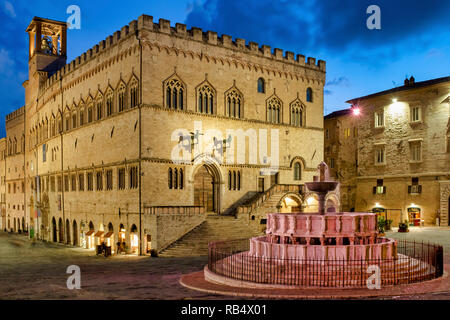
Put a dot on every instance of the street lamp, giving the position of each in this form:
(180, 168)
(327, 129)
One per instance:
(356, 110)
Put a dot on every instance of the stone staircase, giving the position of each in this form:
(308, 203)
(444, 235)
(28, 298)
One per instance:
(267, 201)
(215, 228)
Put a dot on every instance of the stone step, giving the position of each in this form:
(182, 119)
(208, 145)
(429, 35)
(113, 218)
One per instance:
(215, 228)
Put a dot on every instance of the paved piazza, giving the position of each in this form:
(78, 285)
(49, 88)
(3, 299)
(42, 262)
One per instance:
(38, 271)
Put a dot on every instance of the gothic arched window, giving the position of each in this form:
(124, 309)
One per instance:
(261, 85)
(90, 113)
(99, 106)
(274, 110)
(134, 93)
(121, 97)
(175, 93)
(298, 114)
(109, 102)
(297, 171)
(234, 103)
(81, 116)
(74, 120)
(205, 96)
(309, 95)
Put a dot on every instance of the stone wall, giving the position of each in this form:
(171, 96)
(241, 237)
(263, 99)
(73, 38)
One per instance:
(168, 224)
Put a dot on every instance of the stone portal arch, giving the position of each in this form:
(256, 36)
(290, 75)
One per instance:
(207, 180)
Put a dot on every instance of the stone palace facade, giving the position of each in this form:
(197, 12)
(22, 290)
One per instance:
(141, 136)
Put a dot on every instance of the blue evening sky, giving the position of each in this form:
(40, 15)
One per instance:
(414, 38)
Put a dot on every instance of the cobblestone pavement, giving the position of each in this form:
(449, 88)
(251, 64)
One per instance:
(38, 271)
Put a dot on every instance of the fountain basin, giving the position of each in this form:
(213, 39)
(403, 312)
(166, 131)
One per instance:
(383, 248)
(330, 225)
(321, 186)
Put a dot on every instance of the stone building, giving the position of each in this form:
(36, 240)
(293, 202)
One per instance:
(134, 140)
(404, 152)
(3, 224)
(340, 153)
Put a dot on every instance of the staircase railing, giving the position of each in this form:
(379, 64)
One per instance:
(175, 210)
(276, 188)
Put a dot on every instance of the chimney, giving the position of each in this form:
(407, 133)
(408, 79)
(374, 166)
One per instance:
(411, 80)
(406, 82)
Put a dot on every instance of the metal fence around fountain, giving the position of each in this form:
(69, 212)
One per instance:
(416, 262)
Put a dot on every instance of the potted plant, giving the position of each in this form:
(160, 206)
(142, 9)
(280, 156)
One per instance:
(403, 227)
(381, 225)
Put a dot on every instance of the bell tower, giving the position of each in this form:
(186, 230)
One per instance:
(47, 46)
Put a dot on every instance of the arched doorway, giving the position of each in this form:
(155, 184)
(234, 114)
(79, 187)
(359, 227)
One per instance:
(15, 226)
(134, 240)
(206, 188)
(109, 237)
(67, 231)
(23, 225)
(61, 230)
(55, 234)
(90, 236)
(75, 233)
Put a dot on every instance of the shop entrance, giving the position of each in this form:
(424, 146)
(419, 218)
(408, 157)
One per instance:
(54, 232)
(61, 230)
(121, 243)
(148, 244)
(134, 240)
(75, 233)
(109, 238)
(90, 236)
(67, 231)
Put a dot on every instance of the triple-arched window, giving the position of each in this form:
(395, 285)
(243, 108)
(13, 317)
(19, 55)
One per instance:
(205, 99)
(274, 106)
(234, 180)
(298, 113)
(175, 178)
(175, 94)
(234, 103)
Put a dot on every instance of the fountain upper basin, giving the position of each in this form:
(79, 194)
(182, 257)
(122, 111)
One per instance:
(321, 186)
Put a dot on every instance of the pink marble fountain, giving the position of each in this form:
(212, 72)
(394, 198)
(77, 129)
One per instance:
(336, 235)
(311, 250)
